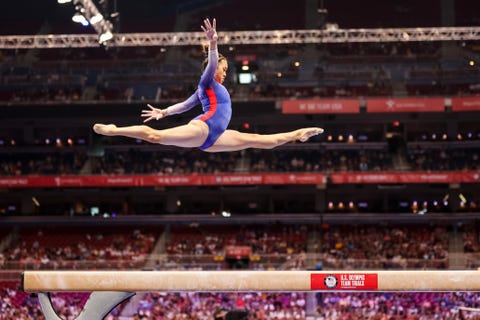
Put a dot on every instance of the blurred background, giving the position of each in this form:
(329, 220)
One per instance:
(393, 183)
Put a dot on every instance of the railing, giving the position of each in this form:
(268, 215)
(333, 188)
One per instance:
(74, 265)
(381, 264)
(472, 260)
(10, 275)
(215, 262)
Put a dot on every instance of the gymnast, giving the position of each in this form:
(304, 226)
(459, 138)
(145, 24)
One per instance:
(207, 131)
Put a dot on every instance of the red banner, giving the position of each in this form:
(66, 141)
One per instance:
(240, 179)
(321, 106)
(406, 105)
(237, 252)
(344, 281)
(466, 104)
(406, 177)
(154, 180)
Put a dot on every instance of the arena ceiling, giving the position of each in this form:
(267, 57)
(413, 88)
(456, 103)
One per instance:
(47, 16)
(152, 23)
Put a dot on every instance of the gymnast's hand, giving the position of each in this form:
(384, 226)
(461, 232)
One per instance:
(153, 113)
(210, 29)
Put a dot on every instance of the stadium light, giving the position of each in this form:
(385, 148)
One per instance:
(63, 1)
(96, 19)
(88, 13)
(79, 18)
(105, 37)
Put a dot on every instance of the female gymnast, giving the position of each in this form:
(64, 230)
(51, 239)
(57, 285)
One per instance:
(207, 131)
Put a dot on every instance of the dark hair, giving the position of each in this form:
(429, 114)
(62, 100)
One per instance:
(236, 315)
(205, 49)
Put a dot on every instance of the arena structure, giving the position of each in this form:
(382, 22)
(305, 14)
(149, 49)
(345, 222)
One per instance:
(391, 185)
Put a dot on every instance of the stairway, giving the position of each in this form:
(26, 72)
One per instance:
(397, 74)
(400, 163)
(399, 89)
(159, 249)
(242, 165)
(456, 256)
(89, 93)
(313, 245)
(87, 167)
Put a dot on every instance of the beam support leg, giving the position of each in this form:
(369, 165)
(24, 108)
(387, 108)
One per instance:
(97, 307)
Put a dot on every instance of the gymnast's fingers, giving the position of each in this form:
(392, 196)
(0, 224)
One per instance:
(148, 119)
(207, 23)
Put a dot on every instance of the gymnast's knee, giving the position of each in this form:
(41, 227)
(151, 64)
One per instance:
(152, 135)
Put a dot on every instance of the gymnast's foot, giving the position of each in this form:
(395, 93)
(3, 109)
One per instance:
(105, 129)
(306, 133)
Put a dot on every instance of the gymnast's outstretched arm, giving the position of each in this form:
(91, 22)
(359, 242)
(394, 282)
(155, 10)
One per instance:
(157, 114)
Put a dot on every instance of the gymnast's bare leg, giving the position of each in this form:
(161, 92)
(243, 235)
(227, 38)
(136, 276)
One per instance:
(190, 135)
(232, 140)
(195, 133)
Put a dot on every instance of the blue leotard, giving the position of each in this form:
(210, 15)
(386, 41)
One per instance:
(215, 100)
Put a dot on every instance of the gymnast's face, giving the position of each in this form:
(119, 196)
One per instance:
(221, 72)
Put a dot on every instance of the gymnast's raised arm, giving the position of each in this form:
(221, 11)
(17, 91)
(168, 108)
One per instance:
(205, 80)
(212, 61)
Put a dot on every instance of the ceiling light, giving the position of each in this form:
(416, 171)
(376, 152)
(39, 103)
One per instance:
(105, 37)
(96, 18)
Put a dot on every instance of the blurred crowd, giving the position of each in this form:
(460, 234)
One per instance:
(180, 162)
(260, 239)
(371, 247)
(14, 304)
(362, 246)
(290, 71)
(77, 249)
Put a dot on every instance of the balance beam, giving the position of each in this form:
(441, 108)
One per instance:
(233, 281)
